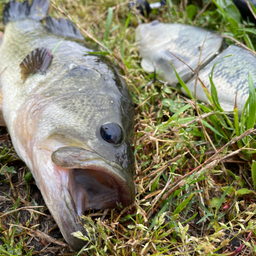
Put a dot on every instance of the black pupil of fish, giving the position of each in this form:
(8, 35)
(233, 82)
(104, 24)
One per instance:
(111, 132)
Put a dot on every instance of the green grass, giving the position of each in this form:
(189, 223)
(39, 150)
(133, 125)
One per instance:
(195, 167)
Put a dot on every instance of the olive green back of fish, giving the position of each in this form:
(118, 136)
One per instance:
(80, 89)
(71, 121)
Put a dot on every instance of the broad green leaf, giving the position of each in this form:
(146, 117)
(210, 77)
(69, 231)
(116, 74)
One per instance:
(191, 11)
(244, 191)
(228, 10)
(214, 202)
(8, 169)
(167, 89)
(28, 176)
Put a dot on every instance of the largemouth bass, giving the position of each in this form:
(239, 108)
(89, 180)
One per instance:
(157, 41)
(69, 115)
(230, 77)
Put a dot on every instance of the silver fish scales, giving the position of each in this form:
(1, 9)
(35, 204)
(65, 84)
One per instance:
(157, 41)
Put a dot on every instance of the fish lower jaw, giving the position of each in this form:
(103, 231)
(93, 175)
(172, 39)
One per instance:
(97, 187)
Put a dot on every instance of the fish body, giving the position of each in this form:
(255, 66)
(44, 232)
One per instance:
(71, 123)
(230, 77)
(156, 41)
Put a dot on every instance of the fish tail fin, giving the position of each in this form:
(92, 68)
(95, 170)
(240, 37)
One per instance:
(17, 11)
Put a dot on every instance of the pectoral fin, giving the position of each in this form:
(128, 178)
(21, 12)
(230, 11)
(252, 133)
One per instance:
(38, 61)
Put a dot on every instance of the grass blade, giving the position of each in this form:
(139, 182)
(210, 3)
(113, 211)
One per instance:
(57, 45)
(183, 205)
(108, 24)
(97, 53)
(236, 123)
(253, 169)
(214, 94)
(125, 27)
(221, 200)
(213, 88)
(181, 110)
(182, 83)
(248, 41)
(212, 128)
(252, 103)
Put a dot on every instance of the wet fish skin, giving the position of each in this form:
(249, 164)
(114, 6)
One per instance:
(156, 40)
(230, 76)
(60, 113)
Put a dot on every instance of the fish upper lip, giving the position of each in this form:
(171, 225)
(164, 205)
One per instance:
(91, 155)
(99, 159)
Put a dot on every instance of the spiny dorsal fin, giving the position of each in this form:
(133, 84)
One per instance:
(18, 11)
(37, 61)
(63, 27)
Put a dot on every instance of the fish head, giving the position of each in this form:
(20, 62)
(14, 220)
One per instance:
(100, 171)
(79, 149)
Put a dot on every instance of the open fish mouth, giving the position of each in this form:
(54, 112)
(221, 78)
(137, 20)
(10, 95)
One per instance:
(96, 187)
(92, 182)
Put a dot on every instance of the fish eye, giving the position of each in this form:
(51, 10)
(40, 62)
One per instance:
(111, 133)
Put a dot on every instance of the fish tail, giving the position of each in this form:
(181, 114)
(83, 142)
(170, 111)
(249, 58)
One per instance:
(14, 11)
